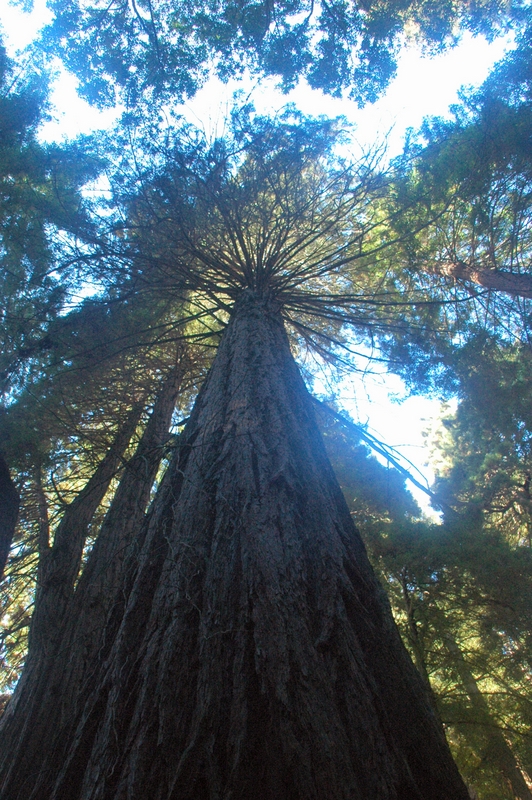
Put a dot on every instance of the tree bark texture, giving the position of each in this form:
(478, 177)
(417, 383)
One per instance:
(103, 573)
(514, 283)
(60, 563)
(50, 686)
(9, 505)
(252, 653)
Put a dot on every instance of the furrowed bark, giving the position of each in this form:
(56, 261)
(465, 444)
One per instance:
(116, 546)
(61, 562)
(516, 284)
(9, 505)
(257, 656)
(103, 572)
(49, 689)
(58, 569)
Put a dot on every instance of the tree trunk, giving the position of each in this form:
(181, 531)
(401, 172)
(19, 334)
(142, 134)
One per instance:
(50, 685)
(256, 655)
(117, 544)
(516, 284)
(58, 568)
(9, 503)
(415, 642)
(496, 747)
(103, 572)
(60, 563)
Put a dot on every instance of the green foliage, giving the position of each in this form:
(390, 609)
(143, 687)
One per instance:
(167, 48)
(268, 206)
(464, 593)
(41, 218)
(104, 358)
(460, 214)
(187, 224)
(460, 590)
(485, 447)
(461, 593)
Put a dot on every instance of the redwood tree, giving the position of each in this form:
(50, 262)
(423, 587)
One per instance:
(248, 650)
(256, 655)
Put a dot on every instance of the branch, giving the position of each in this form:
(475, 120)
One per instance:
(383, 450)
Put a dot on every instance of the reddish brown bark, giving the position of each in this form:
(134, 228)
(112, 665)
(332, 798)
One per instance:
(516, 284)
(252, 653)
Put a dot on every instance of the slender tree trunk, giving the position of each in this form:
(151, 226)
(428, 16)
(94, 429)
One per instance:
(9, 504)
(256, 656)
(43, 519)
(116, 546)
(60, 563)
(516, 284)
(497, 749)
(103, 573)
(415, 643)
(49, 688)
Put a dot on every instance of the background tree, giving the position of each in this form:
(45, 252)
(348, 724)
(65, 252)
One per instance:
(106, 365)
(460, 592)
(465, 187)
(39, 203)
(461, 597)
(464, 197)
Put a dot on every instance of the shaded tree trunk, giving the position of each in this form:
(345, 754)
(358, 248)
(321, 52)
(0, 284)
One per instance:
(254, 654)
(9, 505)
(103, 572)
(116, 546)
(415, 642)
(51, 681)
(496, 747)
(57, 571)
(60, 562)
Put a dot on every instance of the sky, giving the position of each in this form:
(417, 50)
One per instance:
(423, 87)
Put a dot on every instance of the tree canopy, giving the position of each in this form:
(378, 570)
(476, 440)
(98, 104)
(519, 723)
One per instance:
(169, 48)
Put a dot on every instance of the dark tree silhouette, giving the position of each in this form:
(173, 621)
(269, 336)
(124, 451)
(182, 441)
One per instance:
(9, 504)
(248, 650)
(256, 655)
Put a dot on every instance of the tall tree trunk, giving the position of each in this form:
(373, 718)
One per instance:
(60, 563)
(415, 642)
(9, 504)
(496, 747)
(117, 544)
(256, 656)
(50, 686)
(103, 572)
